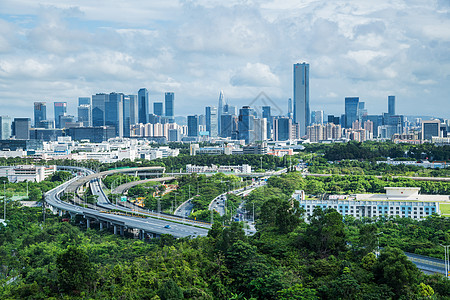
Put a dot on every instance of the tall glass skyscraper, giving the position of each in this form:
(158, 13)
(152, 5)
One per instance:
(220, 111)
(211, 121)
(266, 113)
(40, 113)
(126, 104)
(22, 128)
(143, 105)
(351, 111)
(85, 115)
(84, 100)
(98, 109)
(5, 127)
(134, 109)
(60, 109)
(301, 96)
(169, 101)
(158, 108)
(114, 113)
(391, 105)
(246, 124)
(192, 123)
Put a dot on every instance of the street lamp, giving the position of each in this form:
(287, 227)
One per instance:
(261, 162)
(446, 260)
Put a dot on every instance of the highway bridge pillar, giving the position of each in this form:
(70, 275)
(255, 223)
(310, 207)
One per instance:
(121, 230)
(60, 213)
(101, 225)
(88, 223)
(142, 235)
(115, 229)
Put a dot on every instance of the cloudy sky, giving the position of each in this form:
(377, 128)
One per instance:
(60, 50)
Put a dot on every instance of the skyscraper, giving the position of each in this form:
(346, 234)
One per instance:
(351, 110)
(246, 124)
(317, 117)
(126, 110)
(22, 128)
(211, 121)
(266, 113)
(220, 111)
(289, 106)
(170, 103)
(40, 113)
(143, 105)
(114, 113)
(84, 100)
(85, 115)
(98, 109)
(158, 108)
(301, 96)
(391, 105)
(282, 128)
(134, 109)
(60, 109)
(5, 127)
(192, 122)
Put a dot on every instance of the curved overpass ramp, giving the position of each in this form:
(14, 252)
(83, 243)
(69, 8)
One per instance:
(126, 186)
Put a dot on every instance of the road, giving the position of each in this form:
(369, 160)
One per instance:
(126, 186)
(444, 179)
(185, 209)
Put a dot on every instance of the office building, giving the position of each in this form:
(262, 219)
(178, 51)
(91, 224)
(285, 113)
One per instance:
(46, 135)
(193, 126)
(362, 111)
(282, 129)
(391, 105)
(98, 109)
(174, 135)
(22, 128)
(114, 113)
(84, 101)
(211, 121)
(126, 111)
(64, 119)
(333, 119)
(246, 124)
(5, 127)
(301, 96)
(40, 113)
(158, 108)
(317, 117)
(229, 126)
(220, 111)
(169, 99)
(60, 109)
(289, 106)
(85, 114)
(142, 105)
(430, 129)
(260, 129)
(377, 121)
(93, 134)
(47, 124)
(266, 113)
(134, 109)
(351, 110)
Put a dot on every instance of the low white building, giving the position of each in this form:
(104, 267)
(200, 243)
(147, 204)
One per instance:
(246, 169)
(27, 172)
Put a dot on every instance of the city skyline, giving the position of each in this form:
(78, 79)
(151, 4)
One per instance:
(54, 52)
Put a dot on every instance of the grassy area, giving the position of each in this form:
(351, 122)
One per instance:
(445, 209)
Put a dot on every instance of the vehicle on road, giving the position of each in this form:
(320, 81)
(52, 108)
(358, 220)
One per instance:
(167, 226)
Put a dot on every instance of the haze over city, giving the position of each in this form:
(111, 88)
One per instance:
(59, 52)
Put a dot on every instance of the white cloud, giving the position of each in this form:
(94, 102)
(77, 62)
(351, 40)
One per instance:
(255, 75)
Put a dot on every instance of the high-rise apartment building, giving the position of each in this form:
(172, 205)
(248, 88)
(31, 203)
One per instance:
(193, 128)
(158, 108)
(114, 113)
(351, 110)
(98, 109)
(169, 99)
(266, 113)
(22, 128)
(301, 96)
(211, 121)
(60, 109)
(391, 105)
(5, 127)
(40, 113)
(143, 106)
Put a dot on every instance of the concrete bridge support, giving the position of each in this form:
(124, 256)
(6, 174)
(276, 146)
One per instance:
(88, 223)
(115, 229)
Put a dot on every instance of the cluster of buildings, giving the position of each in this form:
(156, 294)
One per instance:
(30, 173)
(245, 169)
(106, 116)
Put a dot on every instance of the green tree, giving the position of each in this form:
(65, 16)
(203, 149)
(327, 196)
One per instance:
(169, 290)
(75, 271)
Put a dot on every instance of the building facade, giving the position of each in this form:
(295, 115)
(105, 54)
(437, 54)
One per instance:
(301, 96)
